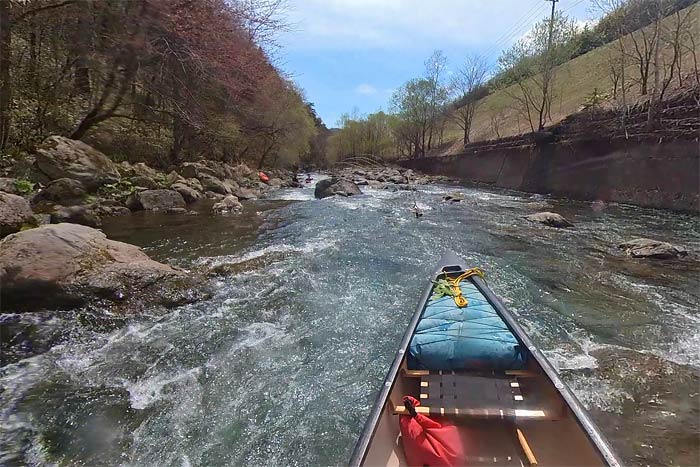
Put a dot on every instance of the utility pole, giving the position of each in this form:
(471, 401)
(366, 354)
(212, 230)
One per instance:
(547, 75)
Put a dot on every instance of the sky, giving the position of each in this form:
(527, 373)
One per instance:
(352, 54)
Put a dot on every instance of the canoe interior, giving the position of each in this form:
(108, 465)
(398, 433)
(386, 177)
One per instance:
(542, 431)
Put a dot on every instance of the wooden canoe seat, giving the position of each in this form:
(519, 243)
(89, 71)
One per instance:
(474, 396)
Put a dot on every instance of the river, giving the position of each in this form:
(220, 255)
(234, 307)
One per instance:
(281, 365)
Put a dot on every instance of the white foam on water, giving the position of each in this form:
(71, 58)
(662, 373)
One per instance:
(311, 246)
(293, 194)
(144, 392)
(594, 392)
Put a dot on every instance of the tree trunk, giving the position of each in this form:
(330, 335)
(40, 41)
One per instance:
(5, 80)
(654, 102)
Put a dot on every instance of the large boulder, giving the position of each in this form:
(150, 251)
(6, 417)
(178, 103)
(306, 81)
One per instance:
(246, 193)
(76, 215)
(551, 219)
(64, 191)
(275, 183)
(211, 183)
(648, 248)
(229, 204)
(195, 170)
(14, 213)
(62, 266)
(60, 157)
(189, 194)
(155, 200)
(335, 186)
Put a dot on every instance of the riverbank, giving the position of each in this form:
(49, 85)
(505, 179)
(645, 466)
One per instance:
(589, 156)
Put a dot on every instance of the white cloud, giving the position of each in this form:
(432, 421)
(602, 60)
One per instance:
(365, 88)
(407, 24)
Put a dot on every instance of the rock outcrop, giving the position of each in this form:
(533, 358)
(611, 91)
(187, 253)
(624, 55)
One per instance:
(60, 157)
(551, 219)
(15, 212)
(155, 200)
(648, 248)
(335, 186)
(62, 266)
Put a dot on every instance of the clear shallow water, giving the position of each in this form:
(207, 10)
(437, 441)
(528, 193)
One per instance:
(281, 366)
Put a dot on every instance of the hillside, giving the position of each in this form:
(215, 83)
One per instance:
(574, 82)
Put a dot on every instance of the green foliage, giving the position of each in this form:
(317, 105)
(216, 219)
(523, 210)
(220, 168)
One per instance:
(24, 186)
(121, 189)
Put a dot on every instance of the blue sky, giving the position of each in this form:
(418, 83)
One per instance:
(349, 54)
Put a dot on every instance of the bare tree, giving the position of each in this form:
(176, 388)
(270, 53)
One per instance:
(529, 65)
(466, 83)
(616, 7)
(434, 69)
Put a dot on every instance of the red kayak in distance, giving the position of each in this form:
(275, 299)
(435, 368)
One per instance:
(263, 177)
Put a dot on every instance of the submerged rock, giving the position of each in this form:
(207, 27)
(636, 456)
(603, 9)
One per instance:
(551, 219)
(62, 266)
(60, 157)
(14, 213)
(648, 248)
(455, 197)
(335, 186)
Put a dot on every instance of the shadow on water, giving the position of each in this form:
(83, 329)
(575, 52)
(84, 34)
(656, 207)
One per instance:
(281, 366)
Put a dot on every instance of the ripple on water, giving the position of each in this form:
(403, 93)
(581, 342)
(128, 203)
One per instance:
(307, 316)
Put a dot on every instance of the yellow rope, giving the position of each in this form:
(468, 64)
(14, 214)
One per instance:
(459, 299)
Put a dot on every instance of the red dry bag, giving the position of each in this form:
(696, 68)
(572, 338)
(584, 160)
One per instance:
(263, 177)
(426, 441)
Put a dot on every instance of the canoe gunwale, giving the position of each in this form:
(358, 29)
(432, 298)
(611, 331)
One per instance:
(571, 400)
(449, 262)
(362, 445)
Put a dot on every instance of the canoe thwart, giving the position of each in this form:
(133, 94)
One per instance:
(526, 448)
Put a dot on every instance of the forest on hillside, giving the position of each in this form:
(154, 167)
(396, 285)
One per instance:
(156, 81)
(641, 50)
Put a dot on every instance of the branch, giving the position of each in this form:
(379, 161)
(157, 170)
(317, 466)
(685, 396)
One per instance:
(36, 11)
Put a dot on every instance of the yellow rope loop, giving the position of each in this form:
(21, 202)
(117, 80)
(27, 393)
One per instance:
(459, 299)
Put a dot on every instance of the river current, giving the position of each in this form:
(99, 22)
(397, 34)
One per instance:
(282, 364)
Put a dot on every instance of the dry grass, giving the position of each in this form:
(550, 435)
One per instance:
(574, 82)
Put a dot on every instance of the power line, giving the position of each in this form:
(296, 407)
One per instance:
(517, 26)
(573, 6)
(514, 31)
